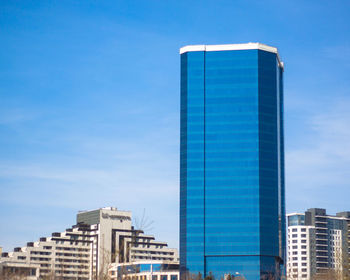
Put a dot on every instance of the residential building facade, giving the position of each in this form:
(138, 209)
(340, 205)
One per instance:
(301, 262)
(86, 250)
(232, 209)
(318, 243)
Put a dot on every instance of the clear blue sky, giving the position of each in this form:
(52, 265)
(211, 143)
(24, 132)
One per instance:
(89, 104)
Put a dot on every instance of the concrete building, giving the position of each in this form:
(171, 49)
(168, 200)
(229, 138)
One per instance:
(317, 243)
(67, 254)
(301, 263)
(82, 252)
(145, 270)
(17, 270)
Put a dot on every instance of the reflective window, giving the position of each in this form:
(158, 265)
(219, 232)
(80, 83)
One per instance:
(231, 163)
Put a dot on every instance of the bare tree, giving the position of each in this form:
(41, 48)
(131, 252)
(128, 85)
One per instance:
(143, 223)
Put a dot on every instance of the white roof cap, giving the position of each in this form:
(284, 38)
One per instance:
(231, 47)
(295, 213)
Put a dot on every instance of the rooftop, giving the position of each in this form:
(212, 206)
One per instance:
(231, 47)
(110, 208)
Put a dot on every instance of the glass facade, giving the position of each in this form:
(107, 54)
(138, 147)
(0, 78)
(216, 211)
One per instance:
(232, 215)
(296, 220)
(146, 267)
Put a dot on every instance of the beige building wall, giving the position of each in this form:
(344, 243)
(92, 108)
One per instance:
(101, 237)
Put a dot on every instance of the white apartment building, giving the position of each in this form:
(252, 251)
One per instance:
(336, 254)
(67, 254)
(82, 252)
(317, 243)
(300, 255)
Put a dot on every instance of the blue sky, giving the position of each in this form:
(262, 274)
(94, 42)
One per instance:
(89, 104)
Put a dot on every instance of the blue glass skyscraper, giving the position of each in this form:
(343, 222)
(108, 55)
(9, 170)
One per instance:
(232, 209)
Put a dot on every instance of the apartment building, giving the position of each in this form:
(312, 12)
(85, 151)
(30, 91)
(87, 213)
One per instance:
(301, 248)
(318, 243)
(85, 250)
(67, 254)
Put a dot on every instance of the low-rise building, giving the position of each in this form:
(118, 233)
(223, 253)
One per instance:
(19, 270)
(84, 251)
(145, 270)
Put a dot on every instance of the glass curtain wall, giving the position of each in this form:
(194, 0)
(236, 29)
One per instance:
(231, 174)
